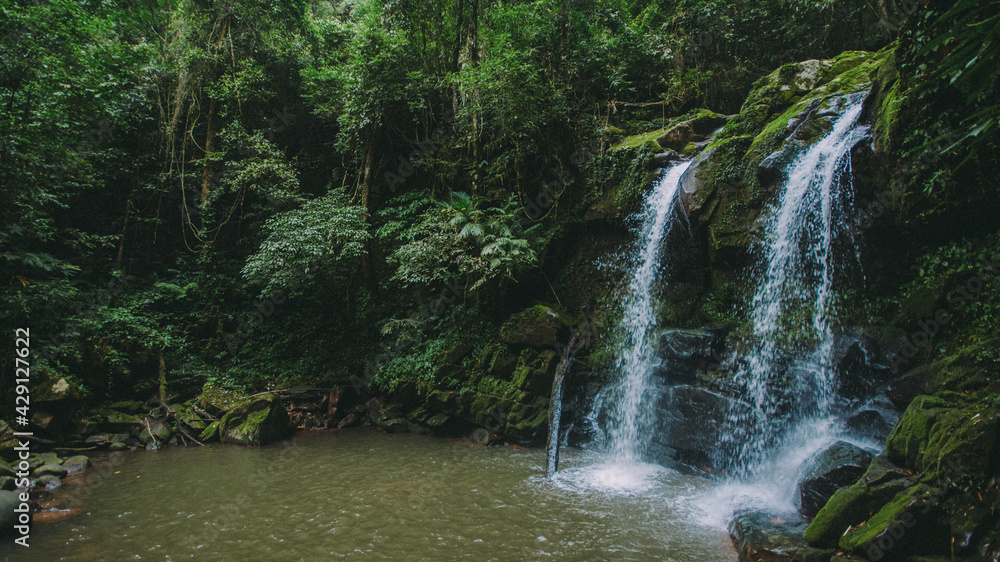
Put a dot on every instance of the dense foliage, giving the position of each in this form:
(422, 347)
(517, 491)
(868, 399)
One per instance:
(180, 179)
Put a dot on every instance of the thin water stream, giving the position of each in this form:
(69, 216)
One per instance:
(363, 493)
(630, 416)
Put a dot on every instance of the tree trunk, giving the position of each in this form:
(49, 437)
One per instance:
(367, 203)
(563, 22)
(458, 36)
(121, 237)
(208, 172)
(162, 371)
(474, 32)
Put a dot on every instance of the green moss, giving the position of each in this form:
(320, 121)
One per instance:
(851, 505)
(258, 421)
(537, 326)
(218, 399)
(909, 513)
(210, 433)
(635, 141)
(942, 431)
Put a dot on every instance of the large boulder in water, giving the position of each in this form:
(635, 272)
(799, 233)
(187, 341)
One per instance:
(257, 421)
(839, 465)
(763, 536)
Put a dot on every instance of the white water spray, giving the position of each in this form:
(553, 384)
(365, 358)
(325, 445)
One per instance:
(630, 408)
(789, 373)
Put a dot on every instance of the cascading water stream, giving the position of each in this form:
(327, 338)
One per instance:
(788, 376)
(628, 403)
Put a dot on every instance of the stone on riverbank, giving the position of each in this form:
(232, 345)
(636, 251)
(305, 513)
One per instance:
(840, 464)
(256, 422)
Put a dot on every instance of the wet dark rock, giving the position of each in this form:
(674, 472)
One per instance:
(49, 469)
(911, 524)
(915, 382)
(6, 470)
(7, 482)
(839, 465)
(49, 457)
(664, 159)
(771, 169)
(98, 439)
(683, 353)
(869, 424)
(438, 420)
(852, 505)
(48, 481)
(155, 431)
(762, 536)
(395, 425)
(353, 419)
(859, 373)
(693, 420)
(76, 463)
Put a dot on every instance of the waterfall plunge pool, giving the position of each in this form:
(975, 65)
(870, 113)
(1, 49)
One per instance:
(363, 493)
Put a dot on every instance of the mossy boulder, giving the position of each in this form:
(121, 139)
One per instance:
(55, 388)
(258, 421)
(852, 505)
(786, 110)
(536, 371)
(187, 415)
(909, 524)
(527, 422)
(537, 326)
(76, 463)
(155, 431)
(943, 431)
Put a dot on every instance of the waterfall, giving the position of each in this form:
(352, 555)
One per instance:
(631, 415)
(788, 377)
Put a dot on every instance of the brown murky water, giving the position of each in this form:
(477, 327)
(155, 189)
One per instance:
(362, 493)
